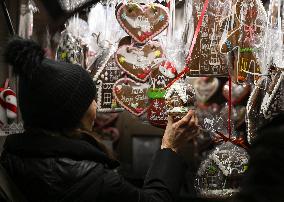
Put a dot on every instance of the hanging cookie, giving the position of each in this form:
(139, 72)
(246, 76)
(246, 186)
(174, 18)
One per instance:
(142, 22)
(220, 174)
(238, 114)
(168, 70)
(244, 35)
(273, 101)
(70, 50)
(157, 111)
(131, 95)
(106, 75)
(180, 98)
(206, 59)
(254, 118)
(138, 61)
(162, 75)
(205, 88)
(8, 106)
(239, 92)
(160, 78)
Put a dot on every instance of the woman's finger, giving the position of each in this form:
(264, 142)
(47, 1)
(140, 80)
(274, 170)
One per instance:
(185, 120)
(170, 120)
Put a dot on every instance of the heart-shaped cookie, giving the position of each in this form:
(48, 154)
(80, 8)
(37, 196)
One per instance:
(131, 95)
(138, 61)
(205, 88)
(157, 113)
(238, 114)
(239, 92)
(142, 22)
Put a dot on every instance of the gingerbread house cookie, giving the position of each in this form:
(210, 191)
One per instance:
(206, 59)
(220, 175)
(180, 98)
(106, 75)
(244, 35)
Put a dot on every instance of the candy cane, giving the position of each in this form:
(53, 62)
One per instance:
(8, 104)
(10, 99)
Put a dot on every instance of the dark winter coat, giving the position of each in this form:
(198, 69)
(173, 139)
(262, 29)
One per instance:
(57, 168)
(264, 181)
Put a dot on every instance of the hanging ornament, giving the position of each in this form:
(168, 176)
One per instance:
(8, 105)
(72, 47)
(239, 92)
(180, 98)
(168, 69)
(26, 20)
(70, 50)
(273, 50)
(206, 59)
(106, 75)
(142, 22)
(160, 77)
(244, 35)
(205, 88)
(273, 101)
(157, 111)
(131, 95)
(254, 119)
(238, 114)
(138, 61)
(220, 174)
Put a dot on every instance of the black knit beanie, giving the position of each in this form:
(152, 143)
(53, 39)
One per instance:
(52, 95)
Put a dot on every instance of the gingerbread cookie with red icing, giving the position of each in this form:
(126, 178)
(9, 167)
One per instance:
(131, 95)
(138, 61)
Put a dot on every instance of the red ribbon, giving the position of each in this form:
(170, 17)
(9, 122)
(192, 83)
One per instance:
(230, 107)
(197, 30)
(239, 141)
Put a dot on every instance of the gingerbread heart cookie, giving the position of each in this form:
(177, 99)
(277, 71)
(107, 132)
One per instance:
(138, 61)
(142, 22)
(239, 92)
(131, 95)
(205, 88)
(238, 114)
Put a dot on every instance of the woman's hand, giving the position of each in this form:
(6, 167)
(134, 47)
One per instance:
(179, 133)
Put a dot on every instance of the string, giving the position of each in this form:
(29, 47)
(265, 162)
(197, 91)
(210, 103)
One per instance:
(230, 107)
(197, 30)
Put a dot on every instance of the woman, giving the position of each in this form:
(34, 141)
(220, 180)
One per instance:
(264, 180)
(56, 159)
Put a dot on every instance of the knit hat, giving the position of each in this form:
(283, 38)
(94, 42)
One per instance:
(52, 95)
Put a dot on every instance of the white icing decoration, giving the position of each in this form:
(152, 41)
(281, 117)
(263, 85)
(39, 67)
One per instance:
(99, 85)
